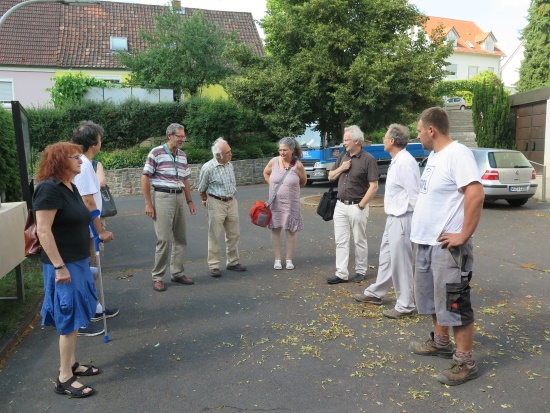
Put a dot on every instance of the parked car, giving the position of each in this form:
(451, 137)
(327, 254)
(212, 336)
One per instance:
(455, 103)
(504, 173)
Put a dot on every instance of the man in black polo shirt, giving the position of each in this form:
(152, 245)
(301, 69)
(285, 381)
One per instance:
(357, 175)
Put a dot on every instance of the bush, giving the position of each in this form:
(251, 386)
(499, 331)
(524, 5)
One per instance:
(126, 124)
(10, 182)
(208, 119)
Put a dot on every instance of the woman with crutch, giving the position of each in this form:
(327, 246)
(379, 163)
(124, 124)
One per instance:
(63, 230)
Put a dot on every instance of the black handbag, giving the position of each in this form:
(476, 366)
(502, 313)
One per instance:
(108, 208)
(327, 204)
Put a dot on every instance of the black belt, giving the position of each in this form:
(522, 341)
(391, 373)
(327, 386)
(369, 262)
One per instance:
(219, 198)
(168, 190)
(346, 202)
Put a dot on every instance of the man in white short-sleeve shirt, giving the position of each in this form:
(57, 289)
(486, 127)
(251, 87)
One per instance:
(88, 135)
(445, 217)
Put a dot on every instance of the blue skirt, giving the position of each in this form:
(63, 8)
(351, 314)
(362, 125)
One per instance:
(67, 307)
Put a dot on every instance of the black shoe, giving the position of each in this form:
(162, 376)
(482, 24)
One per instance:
(358, 278)
(109, 313)
(335, 280)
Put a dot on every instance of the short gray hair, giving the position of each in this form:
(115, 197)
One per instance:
(216, 150)
(400, 134)
(173, 127)
(356, 133)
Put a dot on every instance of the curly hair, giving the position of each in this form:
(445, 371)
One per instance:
(55, 160)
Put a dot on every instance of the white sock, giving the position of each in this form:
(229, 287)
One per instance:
(93, 270)
(99, 309)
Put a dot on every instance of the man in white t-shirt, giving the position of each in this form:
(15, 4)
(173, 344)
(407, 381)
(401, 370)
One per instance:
(401, 192)
(89, 135)
(445, 217)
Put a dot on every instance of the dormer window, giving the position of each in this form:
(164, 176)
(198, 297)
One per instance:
(488, 44)
(119, 43)
(452, 36)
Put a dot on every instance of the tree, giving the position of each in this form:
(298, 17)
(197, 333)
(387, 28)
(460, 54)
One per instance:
(339, 62)
(491, 113)
(534, 71)
(183, 53)
(10, 183)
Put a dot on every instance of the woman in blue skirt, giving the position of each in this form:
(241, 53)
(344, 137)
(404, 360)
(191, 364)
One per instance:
(70, 297)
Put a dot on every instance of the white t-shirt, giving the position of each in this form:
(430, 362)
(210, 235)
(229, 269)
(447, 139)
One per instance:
(440, 205)
(87, 182)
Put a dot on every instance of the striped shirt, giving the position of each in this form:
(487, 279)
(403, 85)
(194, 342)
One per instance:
(217, 179)
(160, 166)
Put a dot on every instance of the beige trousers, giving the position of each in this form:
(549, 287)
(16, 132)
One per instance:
(222, 216)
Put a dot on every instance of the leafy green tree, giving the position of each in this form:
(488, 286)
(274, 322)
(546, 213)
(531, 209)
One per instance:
(183, 53)
(10, 183)
(339, 62)
(534, 71)
(491, 114)
(70, 88)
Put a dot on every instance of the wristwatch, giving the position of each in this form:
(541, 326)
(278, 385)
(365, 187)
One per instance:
(360, 207)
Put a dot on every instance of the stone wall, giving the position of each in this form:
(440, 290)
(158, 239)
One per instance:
(127, 182)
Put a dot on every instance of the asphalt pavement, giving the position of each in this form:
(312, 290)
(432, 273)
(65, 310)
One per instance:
(285, 341)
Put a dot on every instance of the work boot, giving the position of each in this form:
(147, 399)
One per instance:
(458, 373)
(430, 348)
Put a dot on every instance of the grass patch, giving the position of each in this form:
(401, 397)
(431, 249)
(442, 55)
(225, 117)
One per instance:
(12, 312)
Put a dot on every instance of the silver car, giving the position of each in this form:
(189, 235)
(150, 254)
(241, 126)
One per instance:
(455, 103)
(505, 174)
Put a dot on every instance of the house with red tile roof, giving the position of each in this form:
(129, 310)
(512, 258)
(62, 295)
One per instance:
(40, 41)
(474, 50)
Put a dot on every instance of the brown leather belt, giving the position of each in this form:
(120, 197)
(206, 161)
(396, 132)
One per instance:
(219, 198)
(169, 191)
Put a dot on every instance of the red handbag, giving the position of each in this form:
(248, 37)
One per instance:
(260, 214)
(32, 243)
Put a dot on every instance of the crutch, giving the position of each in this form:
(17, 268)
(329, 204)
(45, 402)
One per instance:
(96, 214)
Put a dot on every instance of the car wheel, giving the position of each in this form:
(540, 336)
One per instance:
(517, 202)
(462, 107)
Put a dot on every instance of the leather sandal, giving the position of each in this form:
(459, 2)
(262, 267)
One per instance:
(76, 392)
(88, 372)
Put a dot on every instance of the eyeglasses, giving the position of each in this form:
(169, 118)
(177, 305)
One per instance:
(76, 157)
(179, 136)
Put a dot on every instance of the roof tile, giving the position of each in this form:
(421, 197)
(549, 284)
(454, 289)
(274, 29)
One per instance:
(55, 35)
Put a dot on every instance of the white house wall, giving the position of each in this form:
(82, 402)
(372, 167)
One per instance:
(465, 60)
(29, 87)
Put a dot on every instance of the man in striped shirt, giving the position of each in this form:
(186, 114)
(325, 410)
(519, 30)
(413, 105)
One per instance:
(217, 187)
(167, 171)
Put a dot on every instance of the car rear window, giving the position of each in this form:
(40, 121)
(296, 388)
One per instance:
(508, 160)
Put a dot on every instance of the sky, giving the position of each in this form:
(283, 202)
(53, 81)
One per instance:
(505, 18)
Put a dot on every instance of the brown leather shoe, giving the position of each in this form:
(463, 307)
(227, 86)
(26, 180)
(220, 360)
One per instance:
(158, 286)
(183, 280)
(215, 272)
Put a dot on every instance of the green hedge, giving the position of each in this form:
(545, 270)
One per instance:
(125, 124)
(9, 164)
(133, 121)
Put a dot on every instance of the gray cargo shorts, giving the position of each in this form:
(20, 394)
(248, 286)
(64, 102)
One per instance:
(442, 283)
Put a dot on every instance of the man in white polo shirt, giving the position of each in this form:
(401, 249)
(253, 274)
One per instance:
(395, 265)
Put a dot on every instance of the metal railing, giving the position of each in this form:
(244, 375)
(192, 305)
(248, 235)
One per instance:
(543, 178)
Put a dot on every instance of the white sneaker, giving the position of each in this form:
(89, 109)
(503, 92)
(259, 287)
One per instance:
(278, 265)
(289, 265)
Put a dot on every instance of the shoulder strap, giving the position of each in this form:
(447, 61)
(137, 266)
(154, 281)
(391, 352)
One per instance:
(270, 201)
(94, 164)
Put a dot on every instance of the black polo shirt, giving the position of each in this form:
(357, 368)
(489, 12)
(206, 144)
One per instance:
(354, 183)
(70, 227)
